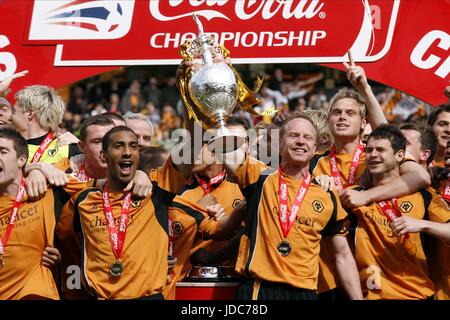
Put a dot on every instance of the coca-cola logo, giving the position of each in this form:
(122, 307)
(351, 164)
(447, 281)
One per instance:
(123, 220)
(244, 9)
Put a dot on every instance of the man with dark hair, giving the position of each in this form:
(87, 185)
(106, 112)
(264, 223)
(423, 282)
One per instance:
(26, 228)
(439, 121)
(115, 266)
(115, 117)
(92, 131)
(391, 265)
(421, 143)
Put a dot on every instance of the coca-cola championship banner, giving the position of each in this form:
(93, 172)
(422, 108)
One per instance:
(401, 43)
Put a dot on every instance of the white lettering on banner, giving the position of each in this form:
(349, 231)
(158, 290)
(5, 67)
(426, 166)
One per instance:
(7, 59)
(244, 9)
(244, 39)
(419, 54)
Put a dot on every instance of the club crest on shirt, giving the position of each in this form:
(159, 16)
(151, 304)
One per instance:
(236, 202)
(52, 152)
(135, 203)
(406, 206)
(177, 227)
(318, 206)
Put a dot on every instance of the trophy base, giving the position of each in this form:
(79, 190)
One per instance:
(225, 143)
(211, 274)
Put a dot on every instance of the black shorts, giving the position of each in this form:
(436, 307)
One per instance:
(272, 291)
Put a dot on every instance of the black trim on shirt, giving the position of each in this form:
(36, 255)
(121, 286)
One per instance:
(37, 141)
(76, 217)
(188, 210)
(61, 197)
(161, 200)
(332, 227)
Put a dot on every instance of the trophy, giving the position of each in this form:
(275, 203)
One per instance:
(211, 93)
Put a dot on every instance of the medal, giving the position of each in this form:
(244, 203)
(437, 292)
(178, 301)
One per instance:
(2, 262)
(116, 237)
(284, 248)
(116, 269)
(287, 218)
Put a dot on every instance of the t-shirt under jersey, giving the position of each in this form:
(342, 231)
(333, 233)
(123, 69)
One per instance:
(145, 247)
(320, 215)
(54, 153)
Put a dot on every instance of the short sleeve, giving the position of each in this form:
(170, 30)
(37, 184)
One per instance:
(249, 172)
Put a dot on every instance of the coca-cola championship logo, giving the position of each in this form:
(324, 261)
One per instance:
(309, 25)
(254, 31)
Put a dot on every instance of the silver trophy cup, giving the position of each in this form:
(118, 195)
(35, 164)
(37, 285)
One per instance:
(214, 90)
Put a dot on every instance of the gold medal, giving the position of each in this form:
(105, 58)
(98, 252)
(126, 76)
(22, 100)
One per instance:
(116, 269)
(2, 261)
(284, 248)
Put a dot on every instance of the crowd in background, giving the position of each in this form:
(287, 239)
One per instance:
(157, 97)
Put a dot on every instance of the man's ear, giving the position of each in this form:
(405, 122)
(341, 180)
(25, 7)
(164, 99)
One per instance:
(400, 155)
(21, 162)
(30, 114)
(81, 146)
(424, 155)
(363, 124)
(103, 157)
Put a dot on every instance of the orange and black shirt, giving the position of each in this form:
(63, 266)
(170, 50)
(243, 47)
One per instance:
(392, 267)
(439, 211)
(320, 165)
(228, 195)
(23, 275)
(259, 257)
(145, 248)
(188, 221)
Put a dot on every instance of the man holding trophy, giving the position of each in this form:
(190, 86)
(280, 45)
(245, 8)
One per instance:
(280, 248)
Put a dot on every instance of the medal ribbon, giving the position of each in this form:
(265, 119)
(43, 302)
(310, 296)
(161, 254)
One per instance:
(117, 238)
(81, 174)
(170, 238)
(18, 200)
(286, 221)
(446, 195)
(391, 212)
(353, 167)
(207, 186)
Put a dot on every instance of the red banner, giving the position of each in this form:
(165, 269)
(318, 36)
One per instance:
(402, 43)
